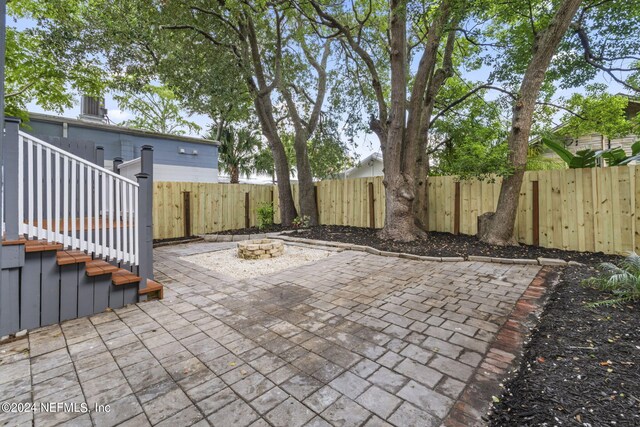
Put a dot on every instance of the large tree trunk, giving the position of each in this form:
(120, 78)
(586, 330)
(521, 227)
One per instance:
(497, 227)
(307, 197)
(399, 220)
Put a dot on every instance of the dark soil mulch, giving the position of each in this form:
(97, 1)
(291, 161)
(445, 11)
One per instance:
(445, 244)
(175, 240)
(582, 365)
(255, 230)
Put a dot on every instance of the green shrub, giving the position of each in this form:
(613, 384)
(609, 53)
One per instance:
(265, 215)
(622, 281)
(301, 222)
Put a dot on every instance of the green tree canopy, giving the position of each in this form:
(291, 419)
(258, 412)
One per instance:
(599, 112)
(155, 109)
(46, 66)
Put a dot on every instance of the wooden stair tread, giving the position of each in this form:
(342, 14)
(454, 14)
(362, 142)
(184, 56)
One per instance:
(152, 287)
(41, 245)
(19, 241)
(72, 257)
(123, 277)
(98, 267)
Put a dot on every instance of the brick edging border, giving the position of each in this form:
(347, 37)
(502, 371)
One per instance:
(348, 246)
(504, 355)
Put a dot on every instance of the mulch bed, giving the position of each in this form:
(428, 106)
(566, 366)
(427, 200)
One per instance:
(581, 366)
(175, 241)
(445, 244)
(275, 228)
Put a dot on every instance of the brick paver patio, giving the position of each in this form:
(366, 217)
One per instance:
(354, 339)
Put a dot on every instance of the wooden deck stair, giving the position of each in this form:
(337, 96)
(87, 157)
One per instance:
(93, 267)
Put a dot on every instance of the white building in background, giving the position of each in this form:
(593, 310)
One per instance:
(368, 167)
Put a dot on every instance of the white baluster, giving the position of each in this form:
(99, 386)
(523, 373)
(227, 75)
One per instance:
(136, 246)
(65, 202)
(90, 197)
(30, 195)
(96, 214)
(125, 221)
(132, 207)
(56, 183)
(83, 240)
(118, 238)
(48, 179)
(111, 218)
(73, 215)
(105, 252)
(21, 228)
(39, 201)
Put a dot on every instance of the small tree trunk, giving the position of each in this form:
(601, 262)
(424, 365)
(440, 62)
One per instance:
(234, 175)
(305, 180)
(497, 227)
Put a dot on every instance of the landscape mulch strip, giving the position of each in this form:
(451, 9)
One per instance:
(445, 244)
(581, 366)
(275, 228)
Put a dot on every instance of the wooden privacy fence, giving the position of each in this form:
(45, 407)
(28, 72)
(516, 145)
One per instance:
(354, 202)
(191, 208)
(594, 209)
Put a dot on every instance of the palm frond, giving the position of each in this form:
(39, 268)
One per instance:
(622, 281)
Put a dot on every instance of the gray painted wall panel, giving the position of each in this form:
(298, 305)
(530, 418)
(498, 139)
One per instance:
(9, 301)
(50, 290)
(116, 296)
(131, 294)
(85, 295)
(30, 291)
(69, 291)
(101, 287)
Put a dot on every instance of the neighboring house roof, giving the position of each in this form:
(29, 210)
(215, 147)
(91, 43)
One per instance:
(373, 157)
(115, 128)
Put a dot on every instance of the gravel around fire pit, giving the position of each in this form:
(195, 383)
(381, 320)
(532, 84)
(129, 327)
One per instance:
(227, 262)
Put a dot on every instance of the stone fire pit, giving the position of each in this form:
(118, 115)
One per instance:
(260, 249)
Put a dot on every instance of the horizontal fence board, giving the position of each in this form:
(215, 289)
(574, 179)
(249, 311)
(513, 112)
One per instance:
(593, 209)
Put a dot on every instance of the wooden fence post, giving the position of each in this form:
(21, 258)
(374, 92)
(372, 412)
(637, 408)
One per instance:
(372, 212)
(247, 211)
(186, 206)
(315, 196)
(456, 212)
(536, 214)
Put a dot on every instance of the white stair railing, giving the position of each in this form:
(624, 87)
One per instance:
(63, 198)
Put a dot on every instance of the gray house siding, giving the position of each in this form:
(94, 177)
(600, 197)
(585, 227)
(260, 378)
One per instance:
(37, 129)
(118, 144)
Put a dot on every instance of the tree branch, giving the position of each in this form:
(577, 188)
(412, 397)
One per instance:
(21, 90)
(332, 22)
(592, 59)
